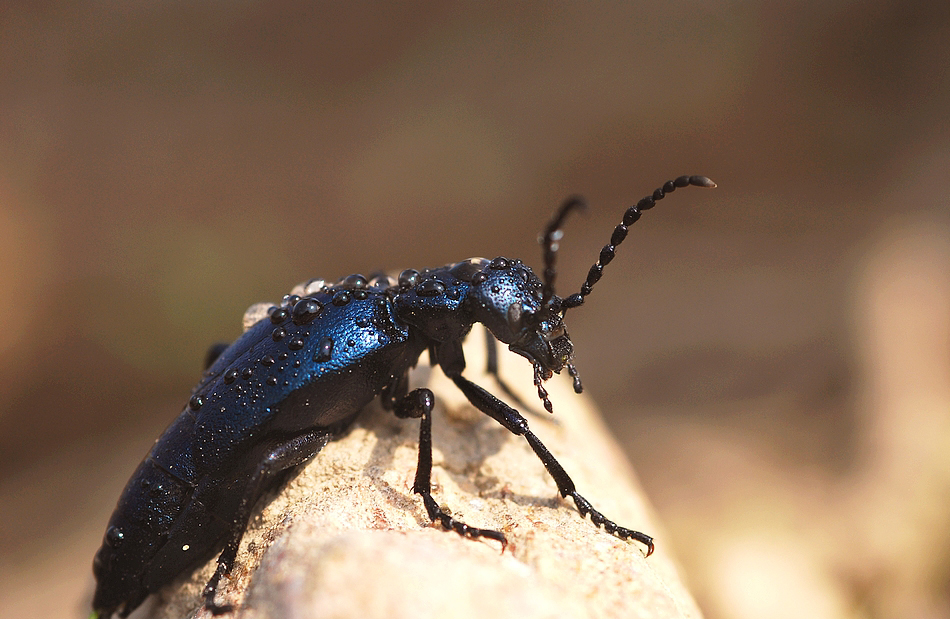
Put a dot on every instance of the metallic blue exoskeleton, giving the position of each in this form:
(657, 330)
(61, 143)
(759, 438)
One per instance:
(301, 373)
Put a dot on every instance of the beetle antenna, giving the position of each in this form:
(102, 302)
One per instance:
(549, 243)
(620, 233)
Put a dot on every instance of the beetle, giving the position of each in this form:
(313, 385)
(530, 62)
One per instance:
(301, 373)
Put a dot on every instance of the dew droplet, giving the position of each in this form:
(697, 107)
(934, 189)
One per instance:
(324, 350)
(430, 288)
(114, 536)
(279, 315)
(306, 310)
(355, 281)
(467, 269)
(408, 278)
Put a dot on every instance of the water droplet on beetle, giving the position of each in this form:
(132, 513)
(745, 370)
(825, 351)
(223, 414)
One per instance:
(408, 277)
(305, 310)
(355, 281)
(279, 315)
(430, 288)
(324, 350)
(114, 536)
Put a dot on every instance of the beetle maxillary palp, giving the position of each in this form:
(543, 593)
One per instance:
(539, 378)
(578, 387)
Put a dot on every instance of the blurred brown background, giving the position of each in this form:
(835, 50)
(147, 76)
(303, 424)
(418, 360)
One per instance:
(774, 354)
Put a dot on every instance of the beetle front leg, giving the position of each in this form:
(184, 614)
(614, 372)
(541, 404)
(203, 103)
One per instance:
(418, 404)
(517, 424)
(287, 455)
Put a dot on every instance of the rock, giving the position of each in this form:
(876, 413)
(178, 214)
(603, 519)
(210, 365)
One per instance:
(349, 538)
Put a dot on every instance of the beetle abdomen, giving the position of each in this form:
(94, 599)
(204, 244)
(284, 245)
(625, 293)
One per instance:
(147, 511)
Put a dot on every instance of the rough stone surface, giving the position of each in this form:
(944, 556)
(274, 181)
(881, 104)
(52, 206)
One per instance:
(348, 538)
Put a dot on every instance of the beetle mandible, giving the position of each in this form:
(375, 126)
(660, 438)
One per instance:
(300, 374)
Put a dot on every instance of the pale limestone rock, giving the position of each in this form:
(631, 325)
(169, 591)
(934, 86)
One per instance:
(348, 538)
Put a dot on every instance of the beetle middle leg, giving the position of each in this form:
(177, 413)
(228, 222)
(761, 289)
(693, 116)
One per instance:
(284, 456)
(491, 367)
(418, 404)
(517, 424)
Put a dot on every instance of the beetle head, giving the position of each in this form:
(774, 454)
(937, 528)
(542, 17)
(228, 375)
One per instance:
(506, 297)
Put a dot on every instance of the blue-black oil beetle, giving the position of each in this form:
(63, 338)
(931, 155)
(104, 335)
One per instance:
(300, 374)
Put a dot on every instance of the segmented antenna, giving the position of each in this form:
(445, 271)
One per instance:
(549, 243)
(620, 233)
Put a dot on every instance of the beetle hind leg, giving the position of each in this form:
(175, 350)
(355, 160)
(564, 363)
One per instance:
(418, 404)
(284, 456)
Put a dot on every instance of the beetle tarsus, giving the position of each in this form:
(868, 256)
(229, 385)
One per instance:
(211, 589)
(586, 509)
